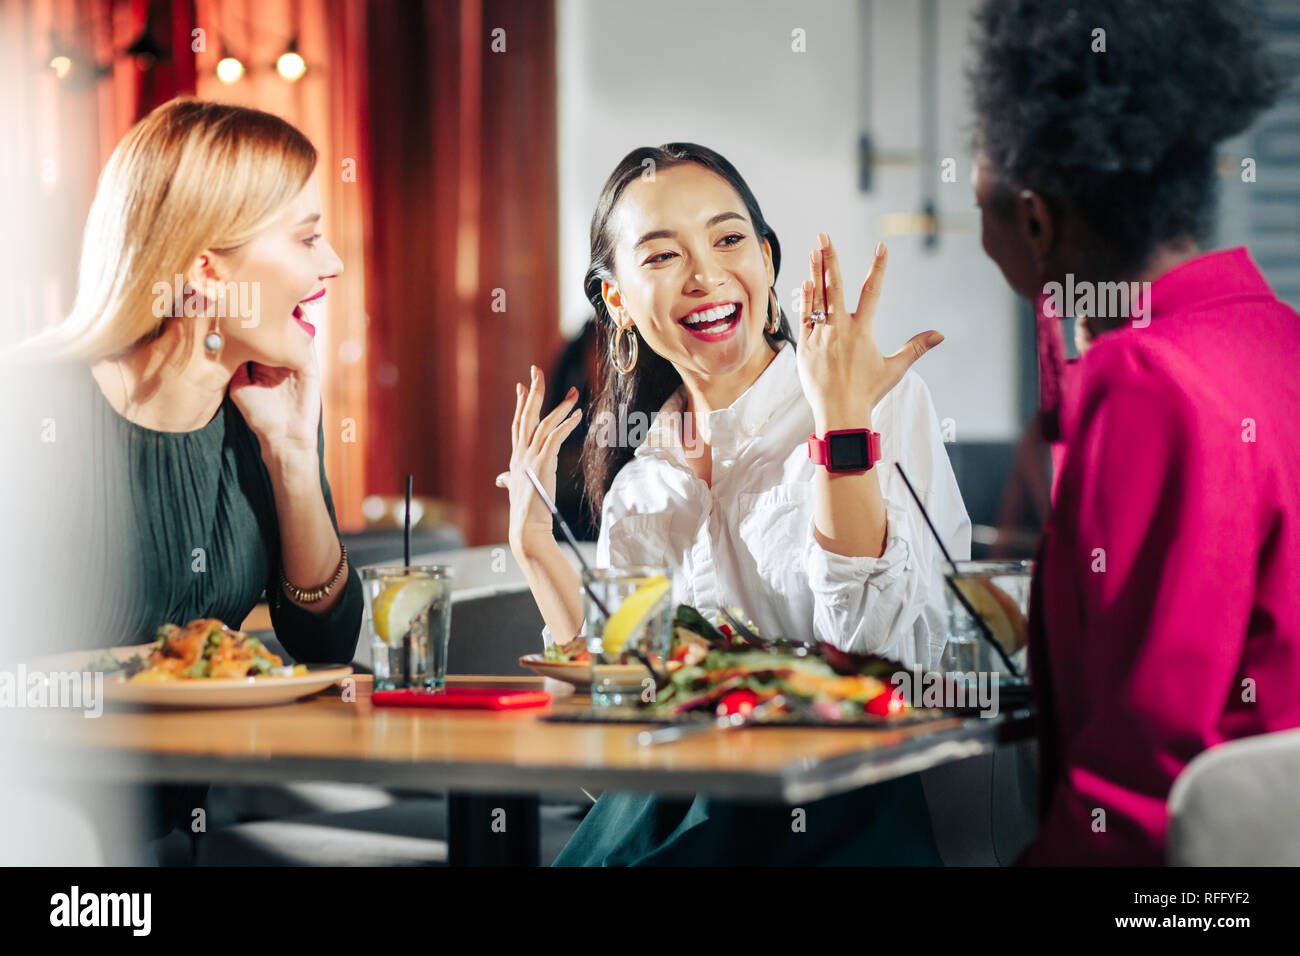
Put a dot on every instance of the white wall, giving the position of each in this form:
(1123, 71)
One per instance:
(722, 73)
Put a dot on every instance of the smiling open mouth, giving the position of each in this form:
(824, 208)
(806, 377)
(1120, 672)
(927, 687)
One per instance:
(714, 322)
(300, 317)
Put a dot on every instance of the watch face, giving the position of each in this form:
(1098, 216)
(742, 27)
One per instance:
(848, 452)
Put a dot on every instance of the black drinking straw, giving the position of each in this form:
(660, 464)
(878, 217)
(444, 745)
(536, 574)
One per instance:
(660, 679)
(406, 540)
(568, 534)
(979, 621)
(408, 658)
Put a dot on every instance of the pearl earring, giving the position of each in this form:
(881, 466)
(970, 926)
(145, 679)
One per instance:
(214, 340)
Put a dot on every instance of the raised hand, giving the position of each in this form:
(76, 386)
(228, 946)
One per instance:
(535, 445)
(843, 372)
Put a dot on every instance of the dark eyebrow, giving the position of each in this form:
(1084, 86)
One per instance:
(669, 233)
(306, 219)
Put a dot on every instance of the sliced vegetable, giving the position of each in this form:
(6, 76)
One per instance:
(692, 620)
(741, 701)
(889, 703)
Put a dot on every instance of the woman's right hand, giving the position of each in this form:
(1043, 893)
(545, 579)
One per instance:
(535, 445)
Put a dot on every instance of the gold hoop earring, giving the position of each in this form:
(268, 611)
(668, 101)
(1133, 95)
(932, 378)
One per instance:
(616, 346)
(773, 313)
(213, 341)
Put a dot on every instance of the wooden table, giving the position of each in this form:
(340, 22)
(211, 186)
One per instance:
(486, 758)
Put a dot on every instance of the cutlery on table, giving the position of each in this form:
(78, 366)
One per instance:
(667, 735)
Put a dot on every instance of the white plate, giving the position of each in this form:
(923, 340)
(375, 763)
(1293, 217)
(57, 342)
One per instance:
(222, 692)
(579, 674)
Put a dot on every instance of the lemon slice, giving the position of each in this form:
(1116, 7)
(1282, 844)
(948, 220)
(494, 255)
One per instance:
(399, 603)
(999, 611)
(640, 606)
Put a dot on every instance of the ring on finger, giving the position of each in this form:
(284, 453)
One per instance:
(816, 315)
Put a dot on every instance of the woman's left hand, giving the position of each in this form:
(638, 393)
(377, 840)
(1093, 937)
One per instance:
(843, 372)
(281, 406)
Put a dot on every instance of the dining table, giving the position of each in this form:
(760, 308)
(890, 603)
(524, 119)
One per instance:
(496, 765)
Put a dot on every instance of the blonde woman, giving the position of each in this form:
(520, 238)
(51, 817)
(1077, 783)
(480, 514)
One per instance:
(178, 406)
(189, 354)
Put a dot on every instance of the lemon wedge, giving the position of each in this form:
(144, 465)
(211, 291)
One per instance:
(399, 603)
(639, 607)
(999, 611)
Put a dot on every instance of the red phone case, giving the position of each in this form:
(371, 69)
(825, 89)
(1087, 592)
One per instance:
(462, 698)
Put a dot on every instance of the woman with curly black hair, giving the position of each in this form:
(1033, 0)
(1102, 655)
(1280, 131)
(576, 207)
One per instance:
(1165, 618)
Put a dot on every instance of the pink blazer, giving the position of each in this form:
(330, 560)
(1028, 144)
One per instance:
(1166, 610)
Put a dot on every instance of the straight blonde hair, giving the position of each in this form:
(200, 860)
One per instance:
(189, 176)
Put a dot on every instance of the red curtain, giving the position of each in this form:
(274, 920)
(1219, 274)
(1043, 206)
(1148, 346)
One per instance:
(171, 24)
(69, 91)
(462, 287)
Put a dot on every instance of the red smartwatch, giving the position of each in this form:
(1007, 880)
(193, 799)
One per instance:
(849, 449)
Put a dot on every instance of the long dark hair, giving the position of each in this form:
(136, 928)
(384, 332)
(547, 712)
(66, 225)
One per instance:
(645, 389)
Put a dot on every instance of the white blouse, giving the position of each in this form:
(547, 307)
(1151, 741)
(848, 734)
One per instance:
(748, 540)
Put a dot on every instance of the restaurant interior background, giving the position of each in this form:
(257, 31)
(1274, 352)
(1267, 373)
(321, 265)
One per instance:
(462, 146)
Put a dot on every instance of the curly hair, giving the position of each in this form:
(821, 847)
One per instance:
(1125, 137)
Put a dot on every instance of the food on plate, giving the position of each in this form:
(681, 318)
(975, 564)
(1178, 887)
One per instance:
(570, 652)
(689, 648)
(730, 682)
(714, 670)
(723, 674)
(999, 611)
(203, 648)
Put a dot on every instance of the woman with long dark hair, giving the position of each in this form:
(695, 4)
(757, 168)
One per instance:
(1165, 611)
(698, 456)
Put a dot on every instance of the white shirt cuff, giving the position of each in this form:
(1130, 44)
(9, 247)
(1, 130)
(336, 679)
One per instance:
(829, 572)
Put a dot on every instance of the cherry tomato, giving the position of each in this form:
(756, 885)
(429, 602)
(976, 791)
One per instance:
(740, 701)
(888, 703)
(680, 651)
(582, 657)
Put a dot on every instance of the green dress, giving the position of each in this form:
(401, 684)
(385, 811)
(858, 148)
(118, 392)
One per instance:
(121, 529)
(149, 527)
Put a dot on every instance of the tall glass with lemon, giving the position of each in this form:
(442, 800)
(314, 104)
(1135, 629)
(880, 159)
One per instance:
(638, 630)
(998, 591)
(409, 615)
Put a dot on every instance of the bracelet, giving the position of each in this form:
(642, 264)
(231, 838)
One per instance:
(316, 594)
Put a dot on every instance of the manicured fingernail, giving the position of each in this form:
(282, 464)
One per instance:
(880, 248)
(533, 370)
(933, 339)
(573, 390)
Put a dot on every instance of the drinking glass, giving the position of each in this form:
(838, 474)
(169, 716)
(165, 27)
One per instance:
(999, 592)
(639, 601)
(408, 614)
